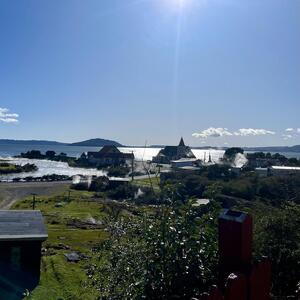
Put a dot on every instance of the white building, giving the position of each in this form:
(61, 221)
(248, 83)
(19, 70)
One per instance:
(277, 171)
(284, 171)
(185, 162)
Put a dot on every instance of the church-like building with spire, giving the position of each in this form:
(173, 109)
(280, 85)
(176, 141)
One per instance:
(170, 153)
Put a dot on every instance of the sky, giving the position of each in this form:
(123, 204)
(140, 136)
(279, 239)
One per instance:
(217, 72)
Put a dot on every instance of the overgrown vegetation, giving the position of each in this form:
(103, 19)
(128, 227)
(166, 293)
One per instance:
(171, 253)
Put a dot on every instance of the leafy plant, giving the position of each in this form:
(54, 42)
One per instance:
(172, 253)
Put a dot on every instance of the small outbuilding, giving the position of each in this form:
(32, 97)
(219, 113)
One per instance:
(21, 235)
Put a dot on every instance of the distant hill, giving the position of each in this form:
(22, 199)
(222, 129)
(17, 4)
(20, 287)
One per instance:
(87, 143)
(96, 143)
(29, 142)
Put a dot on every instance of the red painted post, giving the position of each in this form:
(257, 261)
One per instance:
(236, 287)
(215, 293)
(260, 281)
(235, 243)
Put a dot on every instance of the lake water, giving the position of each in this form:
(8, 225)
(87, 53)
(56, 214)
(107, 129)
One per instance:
(47, 167)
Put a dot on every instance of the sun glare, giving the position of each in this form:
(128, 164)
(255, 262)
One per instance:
(177, 5)
(180, 3)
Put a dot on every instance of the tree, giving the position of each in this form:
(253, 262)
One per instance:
(278, 237)
(50, 154)
(230, 153)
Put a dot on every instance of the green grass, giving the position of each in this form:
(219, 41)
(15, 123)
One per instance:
(59, 278)
(6, 168)
(147, 182)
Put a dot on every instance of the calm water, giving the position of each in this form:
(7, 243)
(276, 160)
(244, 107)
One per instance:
(140, 153)
(50, 167)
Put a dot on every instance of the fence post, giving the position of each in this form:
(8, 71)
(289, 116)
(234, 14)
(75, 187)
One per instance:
(235, 243)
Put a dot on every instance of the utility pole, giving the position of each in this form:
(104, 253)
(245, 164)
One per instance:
(132, 166)
(33, 201)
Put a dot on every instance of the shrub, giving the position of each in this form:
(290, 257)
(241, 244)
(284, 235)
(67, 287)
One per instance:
(172, 254)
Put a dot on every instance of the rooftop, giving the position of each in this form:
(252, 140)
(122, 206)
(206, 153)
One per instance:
(181, 160)
(286, 168)
(231, 215)
(25, 225)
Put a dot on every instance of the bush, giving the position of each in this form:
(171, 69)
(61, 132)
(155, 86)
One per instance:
(121, 192)
(278, 237)
(172, 254)
(147, 197)
(118, 171)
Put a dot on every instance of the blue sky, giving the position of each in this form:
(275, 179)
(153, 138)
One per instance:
(151, 70)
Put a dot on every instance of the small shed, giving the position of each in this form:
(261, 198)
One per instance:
(21, 235)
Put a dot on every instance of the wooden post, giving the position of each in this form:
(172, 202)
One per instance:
(33, 201)
(235, 243)
(132, 166)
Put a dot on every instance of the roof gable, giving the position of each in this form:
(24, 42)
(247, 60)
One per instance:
(109, 149)
(181, 143)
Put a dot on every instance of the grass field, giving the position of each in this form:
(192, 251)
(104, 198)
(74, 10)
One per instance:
(146, 182)
(74, 224)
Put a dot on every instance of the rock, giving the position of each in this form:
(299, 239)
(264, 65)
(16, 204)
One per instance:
(72, 257)
(61, 246)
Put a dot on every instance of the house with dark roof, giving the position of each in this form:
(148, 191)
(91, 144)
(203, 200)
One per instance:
(173, 153)
(109, 155)
(21, 235)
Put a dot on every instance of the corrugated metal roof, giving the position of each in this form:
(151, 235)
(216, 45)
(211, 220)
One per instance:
(22, 225)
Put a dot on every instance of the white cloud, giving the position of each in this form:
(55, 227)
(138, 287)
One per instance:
(298, 130)
(253, 132)
(212, 132)
(287, 136)
(289, 130)
(7, 117)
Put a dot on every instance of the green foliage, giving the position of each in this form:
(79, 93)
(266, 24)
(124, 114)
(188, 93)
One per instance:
(278, 190)
(212, 190)
(118, 171)
(33, 154)
(230, 153)
(278, 237)
(50, 154)
(242, 188)
(121, 192)
(172, 253)
(99, 184)
(278, 157)
(147, 196)
(8, 168)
